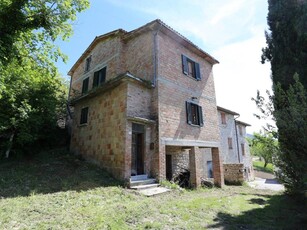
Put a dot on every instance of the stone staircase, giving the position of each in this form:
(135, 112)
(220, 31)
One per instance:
(146, 186)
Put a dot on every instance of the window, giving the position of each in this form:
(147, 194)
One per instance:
(243, 149)
(88, 64)
(190, 68)
(84, 115)
(223, 118)
(85, 85)
(99, 77)
(194, 114)
(229, 142)
(240, 130)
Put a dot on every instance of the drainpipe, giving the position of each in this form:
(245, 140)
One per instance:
(155, 59)
(237, 137)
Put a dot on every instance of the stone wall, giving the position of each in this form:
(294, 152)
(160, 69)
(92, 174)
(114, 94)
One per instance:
(233, 173)
(103, 137)
(180, 159)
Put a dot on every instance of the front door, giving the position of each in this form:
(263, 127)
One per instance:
(137, 150)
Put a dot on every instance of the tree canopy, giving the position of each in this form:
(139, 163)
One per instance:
(287, 52)
(32, 94)
(265, 146)
(34, 23)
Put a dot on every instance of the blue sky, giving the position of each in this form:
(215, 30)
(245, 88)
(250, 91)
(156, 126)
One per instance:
(230, 30)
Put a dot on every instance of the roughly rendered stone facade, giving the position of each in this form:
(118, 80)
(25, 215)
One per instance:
(234, 146)
(148, 105)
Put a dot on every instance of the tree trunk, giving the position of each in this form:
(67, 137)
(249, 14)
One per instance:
(265, 163)
(7, 153)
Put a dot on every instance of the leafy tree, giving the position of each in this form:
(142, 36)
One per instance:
(265, 146)
(32, 94)
(287, 52)
(30, 106)
(35, 23)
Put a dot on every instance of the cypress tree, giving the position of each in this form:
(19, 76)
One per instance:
(287, 52)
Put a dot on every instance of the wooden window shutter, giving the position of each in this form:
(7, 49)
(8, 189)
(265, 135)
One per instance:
(189, 114)
(197, 72)
(200, 115)
(85, 86)
(185, 67)
(96, 79)
(102, 75)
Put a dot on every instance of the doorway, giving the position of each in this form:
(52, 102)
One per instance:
(137, 150)
(168, 164)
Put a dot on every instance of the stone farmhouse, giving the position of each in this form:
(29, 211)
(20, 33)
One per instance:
(144, 103)
(234, 148)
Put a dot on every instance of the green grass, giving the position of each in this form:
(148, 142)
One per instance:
(259, 165)
(58, 191)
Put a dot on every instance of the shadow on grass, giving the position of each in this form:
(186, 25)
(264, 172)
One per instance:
(275, 212)
(50, 172)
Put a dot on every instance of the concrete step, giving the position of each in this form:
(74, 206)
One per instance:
(142, 182)
(139, 177)
(154, 191)
(145, 186)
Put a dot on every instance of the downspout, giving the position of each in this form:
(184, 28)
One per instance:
(237, 137)
(155, 58)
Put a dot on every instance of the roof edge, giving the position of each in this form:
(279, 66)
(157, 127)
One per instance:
(93, 43)
(227, 110)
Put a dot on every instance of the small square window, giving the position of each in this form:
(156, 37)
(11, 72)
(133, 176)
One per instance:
(194, 114)
(84, 115)
(85, 85)
(230, 143)
(223, 118)
(88, 64)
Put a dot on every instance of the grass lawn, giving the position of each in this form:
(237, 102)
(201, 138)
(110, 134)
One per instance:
(58, 191)
(259, 165)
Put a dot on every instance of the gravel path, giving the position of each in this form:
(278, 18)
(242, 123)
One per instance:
(265, 181)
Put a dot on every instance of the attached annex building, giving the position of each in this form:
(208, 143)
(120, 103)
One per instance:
(144, 103)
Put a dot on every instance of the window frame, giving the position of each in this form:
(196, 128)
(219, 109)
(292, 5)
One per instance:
(84, 116)
(198, 114)
(240, 130)
(195, 72)
(223, 118)
(99, 77)
(243, 149)
(230, 143)
(85, 85)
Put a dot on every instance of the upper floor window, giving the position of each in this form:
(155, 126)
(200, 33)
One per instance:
(223, 118)
(84, 115)
(240, 130)
(190, 68)
(243, 149)
(85, 85)
(88, 63)
(99, 77)
(230, 143)
(194, 114)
